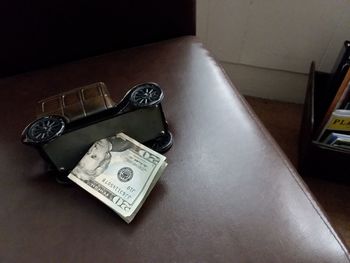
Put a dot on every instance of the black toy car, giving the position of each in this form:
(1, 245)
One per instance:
(69, 123)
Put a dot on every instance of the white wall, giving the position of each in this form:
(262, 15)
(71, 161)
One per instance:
(275, 40)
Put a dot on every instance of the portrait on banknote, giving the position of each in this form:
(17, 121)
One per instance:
(120, 172)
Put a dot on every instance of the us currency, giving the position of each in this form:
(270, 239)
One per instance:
(120, 172)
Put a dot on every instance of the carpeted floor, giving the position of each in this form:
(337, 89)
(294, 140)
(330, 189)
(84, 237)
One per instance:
(283, 121)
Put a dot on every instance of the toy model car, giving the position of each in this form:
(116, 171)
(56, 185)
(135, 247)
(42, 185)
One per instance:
(70, 122)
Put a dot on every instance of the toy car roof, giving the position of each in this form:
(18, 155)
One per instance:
(77, 103)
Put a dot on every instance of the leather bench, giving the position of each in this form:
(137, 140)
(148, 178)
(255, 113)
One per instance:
(229, 194)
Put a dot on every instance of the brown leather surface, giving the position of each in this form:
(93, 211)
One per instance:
(228, 194)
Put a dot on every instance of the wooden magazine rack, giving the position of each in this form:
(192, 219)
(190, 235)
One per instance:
(315, 158)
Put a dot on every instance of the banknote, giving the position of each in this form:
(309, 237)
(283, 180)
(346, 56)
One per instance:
(120, 172)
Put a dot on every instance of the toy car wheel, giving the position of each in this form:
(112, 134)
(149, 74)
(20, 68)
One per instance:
(162, 143)
(147, 94)
(45, 129)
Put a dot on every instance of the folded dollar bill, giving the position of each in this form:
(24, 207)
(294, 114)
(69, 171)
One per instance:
(120, 172)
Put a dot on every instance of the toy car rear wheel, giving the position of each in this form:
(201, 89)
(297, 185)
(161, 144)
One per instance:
(45, 129)
(147, 94)
(162, 143)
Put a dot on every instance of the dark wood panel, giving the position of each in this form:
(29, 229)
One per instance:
(41, 33)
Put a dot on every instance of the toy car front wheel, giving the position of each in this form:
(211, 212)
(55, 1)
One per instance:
(45, 129)
(147, 94)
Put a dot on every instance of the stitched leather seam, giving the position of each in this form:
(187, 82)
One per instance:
(301, 185)
(263, 131)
